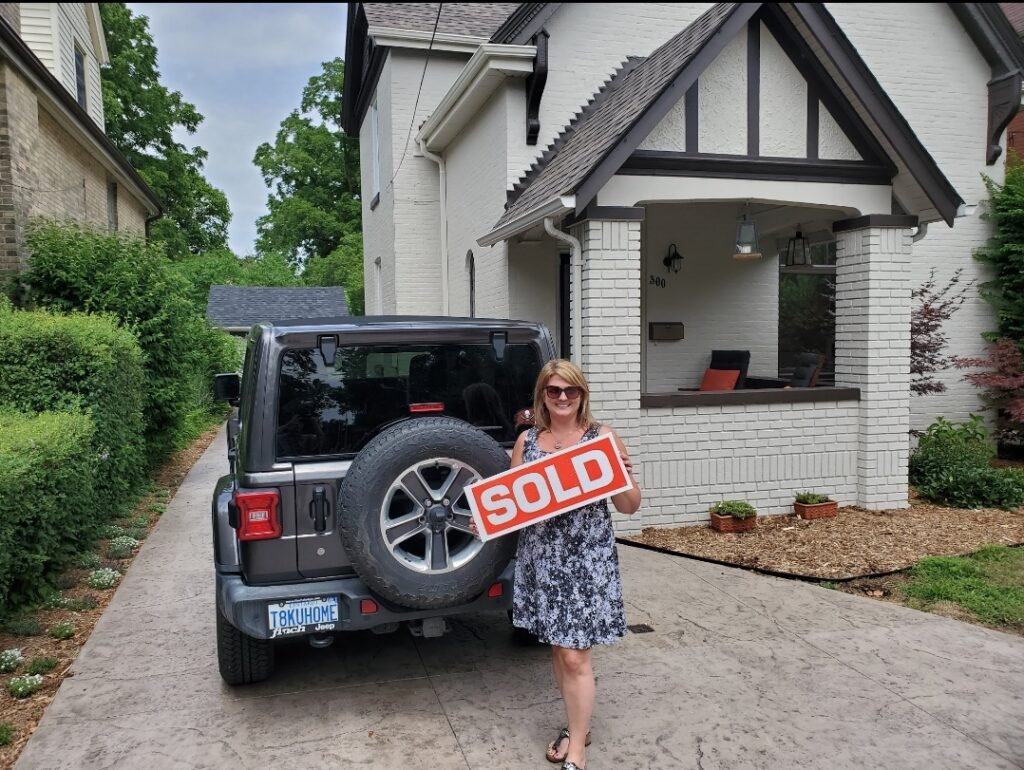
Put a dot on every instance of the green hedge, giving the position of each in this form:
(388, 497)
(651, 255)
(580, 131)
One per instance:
(74, 269)
(85, 363)
(47, 500)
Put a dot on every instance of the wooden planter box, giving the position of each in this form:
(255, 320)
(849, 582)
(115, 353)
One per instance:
(817, 510)
(732, 524)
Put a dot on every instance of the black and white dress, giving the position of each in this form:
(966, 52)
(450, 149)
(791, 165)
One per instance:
(567, 589)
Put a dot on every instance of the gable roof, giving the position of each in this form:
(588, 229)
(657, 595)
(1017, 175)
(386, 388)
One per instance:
(473, 19)
(588, 154)
(236, 308)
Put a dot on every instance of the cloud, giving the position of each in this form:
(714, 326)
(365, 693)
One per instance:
(244, 67)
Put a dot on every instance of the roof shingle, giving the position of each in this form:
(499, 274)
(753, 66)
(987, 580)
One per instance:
(474, 19)
(235, 307)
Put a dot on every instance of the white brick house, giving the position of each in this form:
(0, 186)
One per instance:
(558, 150)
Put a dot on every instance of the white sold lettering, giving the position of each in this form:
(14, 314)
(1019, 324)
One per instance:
(561, 493)
(490, 499)
(582, 463)
(537, 482)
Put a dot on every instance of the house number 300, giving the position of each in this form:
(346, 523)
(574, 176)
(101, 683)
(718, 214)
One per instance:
(657, 280)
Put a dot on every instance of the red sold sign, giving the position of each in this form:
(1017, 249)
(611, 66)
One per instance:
(539, 490)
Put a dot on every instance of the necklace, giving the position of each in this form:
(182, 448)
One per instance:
(560, 441)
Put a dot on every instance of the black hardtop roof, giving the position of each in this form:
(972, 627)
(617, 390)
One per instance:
(367, 323)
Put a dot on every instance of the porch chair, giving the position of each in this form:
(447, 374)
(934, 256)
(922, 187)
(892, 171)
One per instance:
(807, 369)
(727, 361)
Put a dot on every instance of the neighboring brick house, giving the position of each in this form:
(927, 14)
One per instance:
(55, 159)
(559, 151)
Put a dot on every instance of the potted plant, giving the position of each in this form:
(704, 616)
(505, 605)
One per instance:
(812, 505)
(733, 516)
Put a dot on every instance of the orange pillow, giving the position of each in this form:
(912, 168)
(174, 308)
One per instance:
(720, 379)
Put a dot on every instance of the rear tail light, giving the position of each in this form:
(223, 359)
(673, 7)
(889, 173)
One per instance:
(258, 517)
(368, 606)
(495, 591)
(432, 407)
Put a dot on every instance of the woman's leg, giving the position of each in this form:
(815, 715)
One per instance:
(577, 685)
(557, 749)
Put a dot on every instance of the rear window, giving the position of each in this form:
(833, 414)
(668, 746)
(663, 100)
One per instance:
(335, 410)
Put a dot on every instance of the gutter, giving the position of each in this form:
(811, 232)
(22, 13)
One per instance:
(576, 271)
(443, 200)
(483, 74)
(556, 207)
(392, 37)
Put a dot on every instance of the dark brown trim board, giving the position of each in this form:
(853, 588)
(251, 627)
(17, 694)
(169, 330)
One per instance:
(662, 163)
(874, 220)
(733, 397)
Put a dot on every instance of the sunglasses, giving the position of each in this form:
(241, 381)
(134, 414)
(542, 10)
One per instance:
(571, 392)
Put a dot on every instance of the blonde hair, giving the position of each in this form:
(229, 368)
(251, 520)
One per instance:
(572, 374)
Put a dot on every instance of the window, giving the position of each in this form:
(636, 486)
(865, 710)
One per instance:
(375, 138)
(807, 310)
(80, 75)
(471, 264)
(112, 206)
(334, 410)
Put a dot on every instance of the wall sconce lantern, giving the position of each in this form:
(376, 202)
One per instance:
(673, 261)
(799, 250)
(746, 239)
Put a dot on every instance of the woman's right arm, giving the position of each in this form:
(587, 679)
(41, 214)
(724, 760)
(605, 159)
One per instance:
(517, 450)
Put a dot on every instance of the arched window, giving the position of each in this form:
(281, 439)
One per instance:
(471, 266)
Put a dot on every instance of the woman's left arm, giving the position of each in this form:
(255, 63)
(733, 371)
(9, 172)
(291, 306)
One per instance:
(625, 502)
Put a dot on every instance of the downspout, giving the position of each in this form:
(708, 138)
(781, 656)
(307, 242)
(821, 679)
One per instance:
(576, 269)
(443, 174)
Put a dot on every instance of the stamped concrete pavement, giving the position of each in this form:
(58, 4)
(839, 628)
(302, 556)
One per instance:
(741, 671)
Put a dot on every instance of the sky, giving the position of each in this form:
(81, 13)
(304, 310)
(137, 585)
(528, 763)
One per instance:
(244, 67)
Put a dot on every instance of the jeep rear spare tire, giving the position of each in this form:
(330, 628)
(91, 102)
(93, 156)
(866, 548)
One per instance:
(404, 518)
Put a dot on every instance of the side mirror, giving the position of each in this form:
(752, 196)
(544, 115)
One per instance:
(227, 387)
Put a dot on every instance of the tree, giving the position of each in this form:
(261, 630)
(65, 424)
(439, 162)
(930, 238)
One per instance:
(141, 115)
(932, 308)
(312, 170)
(342, 267)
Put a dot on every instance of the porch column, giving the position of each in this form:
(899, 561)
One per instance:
(873, 348)
(609, 352)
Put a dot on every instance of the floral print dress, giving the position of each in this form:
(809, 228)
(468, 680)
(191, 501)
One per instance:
(567, 590)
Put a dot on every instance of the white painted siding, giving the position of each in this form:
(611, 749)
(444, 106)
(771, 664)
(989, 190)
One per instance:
(783, 102)
(477, 179)
(417, 245)
(722, 302)
(379, 224)
(37, 30)
(70, 28)
(722, 101)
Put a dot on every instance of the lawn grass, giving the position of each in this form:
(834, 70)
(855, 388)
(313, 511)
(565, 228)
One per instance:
(989, 584)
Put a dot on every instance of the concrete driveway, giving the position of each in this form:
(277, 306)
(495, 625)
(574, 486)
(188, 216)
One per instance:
(741, 671)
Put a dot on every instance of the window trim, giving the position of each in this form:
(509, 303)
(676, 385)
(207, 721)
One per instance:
(81, 89)
(375, 152)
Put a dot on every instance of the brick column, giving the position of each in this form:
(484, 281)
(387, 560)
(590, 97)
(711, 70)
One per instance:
(873, 348)
(610, 308)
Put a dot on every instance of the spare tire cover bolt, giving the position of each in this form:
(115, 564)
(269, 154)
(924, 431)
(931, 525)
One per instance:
(445, 502)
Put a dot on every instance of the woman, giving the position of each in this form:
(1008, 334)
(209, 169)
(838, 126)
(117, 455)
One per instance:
(567, 590)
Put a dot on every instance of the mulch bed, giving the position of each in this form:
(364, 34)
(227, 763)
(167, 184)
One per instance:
(856, 543)
(25, 714)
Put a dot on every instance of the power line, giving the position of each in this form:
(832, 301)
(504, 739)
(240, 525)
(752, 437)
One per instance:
(415, 107)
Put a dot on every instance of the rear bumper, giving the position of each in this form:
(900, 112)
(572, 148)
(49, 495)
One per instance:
(246, 607)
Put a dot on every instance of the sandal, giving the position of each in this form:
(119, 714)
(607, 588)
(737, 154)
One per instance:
(563, 734)
(571, 766)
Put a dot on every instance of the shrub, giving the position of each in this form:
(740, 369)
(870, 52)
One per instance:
(79, 362)
(812, 498)
(25, 685)
(81, 603)
(121, 547)
(6, 733)
(41, 666)
(21, 625)
(104, 578)
(90, 560)
(47, 505)
(738, 509)
(10, 660)
(72, 268)
(964, 487)
(62, 631)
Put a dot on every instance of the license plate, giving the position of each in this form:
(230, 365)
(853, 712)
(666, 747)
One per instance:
(303, 616)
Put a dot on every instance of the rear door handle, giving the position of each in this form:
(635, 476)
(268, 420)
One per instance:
(318, 509)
